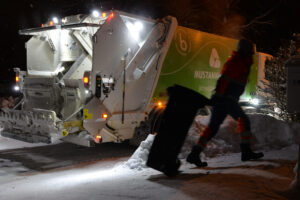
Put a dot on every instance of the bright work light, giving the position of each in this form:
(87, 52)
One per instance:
(135, 29)
(16, 88)
(55, 20)
(95, 13)
(138, 26)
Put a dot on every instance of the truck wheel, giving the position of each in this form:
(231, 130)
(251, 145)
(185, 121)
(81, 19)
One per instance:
(149, 126)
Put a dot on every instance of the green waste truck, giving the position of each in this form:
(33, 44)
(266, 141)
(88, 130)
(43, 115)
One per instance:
(92, 79)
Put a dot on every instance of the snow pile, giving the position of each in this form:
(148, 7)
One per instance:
(138, 160)
(269, 133)
(225, 141)
(273, 133)
(7, 143)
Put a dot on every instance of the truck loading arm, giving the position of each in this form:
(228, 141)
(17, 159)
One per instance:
(33, 31)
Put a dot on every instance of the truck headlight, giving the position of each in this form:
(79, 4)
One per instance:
(96, 14)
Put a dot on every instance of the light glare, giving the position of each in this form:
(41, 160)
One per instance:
(95, 13)
(133, 31)
(254, 101)
(104, 116)
(160, 104)
(86, 80)
(64, 20)
(17, 88)
(55, 20)
(138, 26)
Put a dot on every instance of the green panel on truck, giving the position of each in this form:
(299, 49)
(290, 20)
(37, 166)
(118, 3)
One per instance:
(195, 59)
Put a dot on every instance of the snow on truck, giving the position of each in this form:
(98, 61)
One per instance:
(103, 78)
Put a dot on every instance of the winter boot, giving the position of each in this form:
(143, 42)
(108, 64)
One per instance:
(194, 157)
(248, 154)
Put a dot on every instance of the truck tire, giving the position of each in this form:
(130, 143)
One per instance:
(149, 126)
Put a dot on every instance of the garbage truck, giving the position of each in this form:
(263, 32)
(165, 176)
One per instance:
(92, 79)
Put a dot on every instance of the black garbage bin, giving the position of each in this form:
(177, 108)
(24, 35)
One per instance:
(177, 118)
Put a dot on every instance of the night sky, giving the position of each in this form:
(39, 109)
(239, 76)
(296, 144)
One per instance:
(268, 23)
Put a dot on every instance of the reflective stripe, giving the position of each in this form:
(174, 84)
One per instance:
(204, 137)
(246, 136)
(241, 125)
(206, 133)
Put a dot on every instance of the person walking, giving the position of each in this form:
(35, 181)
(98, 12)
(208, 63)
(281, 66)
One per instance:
(230, 86)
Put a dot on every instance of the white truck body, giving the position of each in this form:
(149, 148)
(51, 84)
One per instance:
(127, 51)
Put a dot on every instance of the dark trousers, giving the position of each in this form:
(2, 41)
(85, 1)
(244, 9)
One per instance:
(223, 107)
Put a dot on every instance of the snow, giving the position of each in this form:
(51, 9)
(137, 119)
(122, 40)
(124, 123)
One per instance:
(138, 159)
(8, 167)
(275, 140)
(226, 177)
(7, 143)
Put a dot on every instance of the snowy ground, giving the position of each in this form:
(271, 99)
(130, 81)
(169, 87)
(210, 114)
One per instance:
(125, 177)
(7, 143)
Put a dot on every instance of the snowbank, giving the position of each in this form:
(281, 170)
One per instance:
(269, 134)
(138, 159)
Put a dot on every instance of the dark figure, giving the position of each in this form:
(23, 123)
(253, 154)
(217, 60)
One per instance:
(230, 86)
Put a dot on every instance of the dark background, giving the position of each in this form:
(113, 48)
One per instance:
(268, 23)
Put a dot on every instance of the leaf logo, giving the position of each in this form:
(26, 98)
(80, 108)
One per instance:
(214, 60)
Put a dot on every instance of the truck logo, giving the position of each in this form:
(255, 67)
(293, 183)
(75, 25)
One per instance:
(214, 60)
(182, 43)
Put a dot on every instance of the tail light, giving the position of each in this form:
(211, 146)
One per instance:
(98, 139)
(111, 16)
(86, 79)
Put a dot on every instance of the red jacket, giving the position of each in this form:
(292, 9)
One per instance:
(234, 76)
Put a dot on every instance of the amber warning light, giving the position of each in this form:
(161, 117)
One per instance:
(104, 116)
(160, 104)
(86, 79)
(17, 79)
